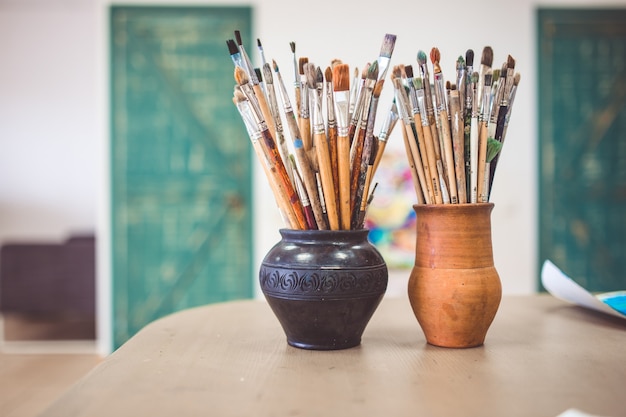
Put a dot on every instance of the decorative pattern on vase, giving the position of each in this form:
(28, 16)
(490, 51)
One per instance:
(304, 283)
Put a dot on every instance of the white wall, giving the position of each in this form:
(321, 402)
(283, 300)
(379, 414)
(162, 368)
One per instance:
(47, 119)
(54, 109)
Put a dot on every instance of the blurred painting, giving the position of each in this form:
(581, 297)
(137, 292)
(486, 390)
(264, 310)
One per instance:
(390, 216)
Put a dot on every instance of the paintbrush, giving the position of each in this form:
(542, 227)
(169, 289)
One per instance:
(503, 111)
(516, 79)
(355, 89)
(341, 91)
(370, 154)
(432, 125)
(444, 123)
(296, 77)
(356, 149)
(461, 81)
(483, 178)
(359, 106)
(367, 158)
(408, 71)
(493, 145)
(235, 55)
(286, 195)
(321, 147)
(385, 131)
(243, 106)
(304, 120)
(254, 81)
(425, 139)
(369, 201)
(467, 117)
(273, 103)
(458, 142)
(417, 182)
(304, 197)
(261, 52)
(384, 57)
(486, 61)
(246, 59)
(410, 142)
(409, 98)
(474, 141)
(302, 159)
(331, 130)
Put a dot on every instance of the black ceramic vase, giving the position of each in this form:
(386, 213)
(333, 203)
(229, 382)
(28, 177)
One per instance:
(323, 286)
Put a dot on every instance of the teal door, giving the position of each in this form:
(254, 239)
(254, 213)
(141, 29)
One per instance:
(582, 146)
(180, 164)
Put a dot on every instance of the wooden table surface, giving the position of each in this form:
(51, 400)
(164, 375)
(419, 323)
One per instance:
(541, 358)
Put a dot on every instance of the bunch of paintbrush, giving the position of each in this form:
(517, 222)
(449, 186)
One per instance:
(454, 131)
(322, 177)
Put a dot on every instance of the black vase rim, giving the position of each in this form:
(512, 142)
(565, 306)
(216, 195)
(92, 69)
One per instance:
(317, 232)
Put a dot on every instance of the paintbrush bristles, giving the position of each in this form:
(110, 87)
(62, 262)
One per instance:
(487, 56)
(311, 75)
(341, 77)
(469, 58)
(232, 47)
(302, 61)
(241, 76)
(389, 43)
(435, 57)
(510, 62)
(328, 75)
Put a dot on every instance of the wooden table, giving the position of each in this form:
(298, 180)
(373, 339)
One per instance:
(541, 358)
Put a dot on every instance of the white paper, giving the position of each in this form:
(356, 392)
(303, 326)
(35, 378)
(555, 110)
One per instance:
(563, 287)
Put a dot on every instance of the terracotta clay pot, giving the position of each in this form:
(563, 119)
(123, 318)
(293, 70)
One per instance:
(323, 286)
(454, 288)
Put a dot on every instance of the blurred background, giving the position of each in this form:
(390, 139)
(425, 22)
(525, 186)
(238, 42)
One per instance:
(129, 190)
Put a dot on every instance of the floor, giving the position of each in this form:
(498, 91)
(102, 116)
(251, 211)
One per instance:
(33, 374)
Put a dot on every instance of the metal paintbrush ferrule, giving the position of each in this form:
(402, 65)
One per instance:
(389, 123)
(247, 90)
(304, 101)
(440, 93)
(249, 120)
(283, 95)
(343, 107)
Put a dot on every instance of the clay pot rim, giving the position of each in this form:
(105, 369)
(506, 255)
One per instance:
(452, 206)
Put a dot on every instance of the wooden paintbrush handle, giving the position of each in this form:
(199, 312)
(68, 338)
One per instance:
(449, 156)
(285, 209)
(343, 162)
(310, 184)
(416, 180)
(332, 148)
(379, 155)
(356, 158)
(419, 132)
(265, 109)
(458, 145)
(474, 131)
(359, 192)
(432, 164)
(279, 175)
(482, 164)
(417, 161)
(326, 174)
(305, 132)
